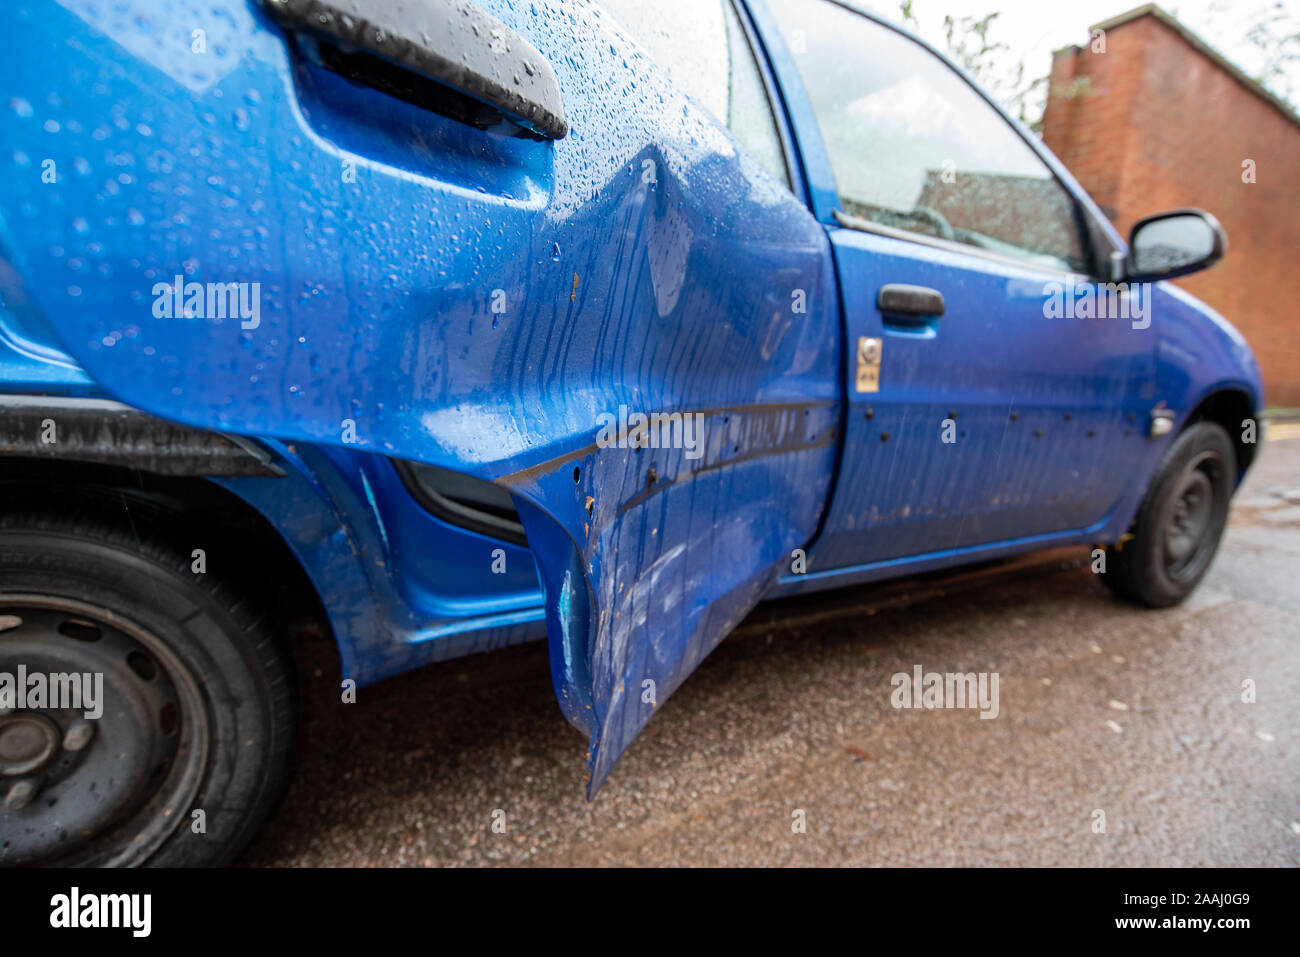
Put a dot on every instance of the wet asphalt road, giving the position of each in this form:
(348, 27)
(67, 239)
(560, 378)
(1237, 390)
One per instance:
(1104, 707)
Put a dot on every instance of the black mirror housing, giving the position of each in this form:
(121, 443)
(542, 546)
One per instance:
(1173, 243)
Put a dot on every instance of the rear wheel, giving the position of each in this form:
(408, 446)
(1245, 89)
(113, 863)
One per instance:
(1180, 522)
(195, 697)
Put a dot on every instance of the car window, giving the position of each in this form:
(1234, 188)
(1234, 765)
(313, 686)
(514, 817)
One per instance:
(914, 147)
(703, 48)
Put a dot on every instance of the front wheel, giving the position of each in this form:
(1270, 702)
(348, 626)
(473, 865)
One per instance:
(150, 712)
(1180, 523)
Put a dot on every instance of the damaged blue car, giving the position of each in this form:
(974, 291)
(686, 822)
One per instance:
(450, 324)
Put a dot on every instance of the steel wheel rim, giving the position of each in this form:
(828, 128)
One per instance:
(1190, 518)
(141, 677)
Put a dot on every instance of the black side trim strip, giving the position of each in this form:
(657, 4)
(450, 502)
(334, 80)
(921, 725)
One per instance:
(110, 433)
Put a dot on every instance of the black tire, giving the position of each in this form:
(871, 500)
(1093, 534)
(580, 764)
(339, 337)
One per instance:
(201, 697)
(1180, 523)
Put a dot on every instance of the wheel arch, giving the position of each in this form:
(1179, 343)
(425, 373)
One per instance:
(186, 511)
(1230, 407)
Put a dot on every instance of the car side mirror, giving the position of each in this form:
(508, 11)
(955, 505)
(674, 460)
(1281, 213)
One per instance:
(1173, 243)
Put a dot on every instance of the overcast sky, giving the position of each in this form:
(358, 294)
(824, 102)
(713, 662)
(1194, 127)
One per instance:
(1034, 28)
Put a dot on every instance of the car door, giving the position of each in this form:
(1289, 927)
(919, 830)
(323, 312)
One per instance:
(984, 407)
(341, 230)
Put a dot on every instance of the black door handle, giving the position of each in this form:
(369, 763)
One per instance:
(900, 299)
(451, 42)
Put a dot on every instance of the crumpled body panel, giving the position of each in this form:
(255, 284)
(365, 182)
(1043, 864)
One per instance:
(435, 292)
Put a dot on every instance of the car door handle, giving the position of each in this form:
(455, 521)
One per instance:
(451, 42)
(909, 302)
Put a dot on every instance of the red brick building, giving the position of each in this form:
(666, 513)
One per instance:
(1159, 120)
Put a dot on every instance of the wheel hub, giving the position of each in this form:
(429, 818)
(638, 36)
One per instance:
(27, 742)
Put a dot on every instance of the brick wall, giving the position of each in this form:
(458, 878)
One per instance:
(1157, 122)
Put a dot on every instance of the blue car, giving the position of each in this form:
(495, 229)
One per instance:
(444, 325)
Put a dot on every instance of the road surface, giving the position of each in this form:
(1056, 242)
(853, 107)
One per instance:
(1122, 736)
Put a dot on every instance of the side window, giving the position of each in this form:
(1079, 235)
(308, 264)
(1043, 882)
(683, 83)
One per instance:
(703, 48)
(913, 147)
